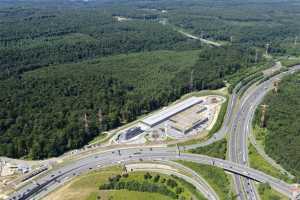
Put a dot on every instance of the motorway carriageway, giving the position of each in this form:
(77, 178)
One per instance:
(57, 177)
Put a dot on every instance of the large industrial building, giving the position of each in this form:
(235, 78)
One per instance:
(167, 113)
(184, 119)
(189, 119)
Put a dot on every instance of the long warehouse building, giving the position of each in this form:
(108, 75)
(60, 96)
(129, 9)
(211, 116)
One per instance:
(165, 114)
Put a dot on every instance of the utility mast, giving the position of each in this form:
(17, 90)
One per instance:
(124, 169)
(100, 118)
(202, 35)
(263, 115)
(295, 191)
(8, 71)
(276, 84)
(86, 123)
(267, 48)
(166, 128)
(256, 56)
(191, 81)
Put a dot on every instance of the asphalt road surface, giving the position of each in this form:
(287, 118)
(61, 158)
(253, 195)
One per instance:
(240, 130)
(57, 177)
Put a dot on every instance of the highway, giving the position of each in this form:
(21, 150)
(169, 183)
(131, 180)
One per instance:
(241, 128)
(237, 123)
(57, 177)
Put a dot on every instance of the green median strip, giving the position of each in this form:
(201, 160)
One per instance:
(215, 177)
(259, 163)
(217, 149)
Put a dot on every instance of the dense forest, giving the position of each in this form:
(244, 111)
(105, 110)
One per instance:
(72, 69)
(249, 22)
(41, 33)
(39, 38)
(43, 111)
(282, 134)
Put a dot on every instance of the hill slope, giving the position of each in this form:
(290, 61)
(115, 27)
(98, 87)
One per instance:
(282, 135)
(41, 113)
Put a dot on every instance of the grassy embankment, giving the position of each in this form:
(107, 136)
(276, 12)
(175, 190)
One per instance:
(280, 136)
(259, 163)
(290, 62)
(215, 177)
(267, 193)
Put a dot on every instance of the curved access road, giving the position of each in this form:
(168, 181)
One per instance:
(181, 171)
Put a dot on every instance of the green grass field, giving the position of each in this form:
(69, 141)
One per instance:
(89, 187)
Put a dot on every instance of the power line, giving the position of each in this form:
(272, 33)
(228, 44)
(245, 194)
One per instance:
(267, 48)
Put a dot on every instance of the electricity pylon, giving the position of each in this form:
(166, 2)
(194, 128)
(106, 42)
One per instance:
(256, 56)
(276, 84)
(267, 48)
(263, 114)
(86, 123)
(191, 81)
(100, 117)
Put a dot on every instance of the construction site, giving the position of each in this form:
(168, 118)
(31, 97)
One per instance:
(181, 120)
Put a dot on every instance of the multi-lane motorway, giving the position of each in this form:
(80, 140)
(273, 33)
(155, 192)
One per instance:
(237, 124)
(57, 177)
(241, 128)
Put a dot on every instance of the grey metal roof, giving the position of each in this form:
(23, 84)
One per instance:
(170, 111)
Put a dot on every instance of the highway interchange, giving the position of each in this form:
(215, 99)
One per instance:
(237, 124)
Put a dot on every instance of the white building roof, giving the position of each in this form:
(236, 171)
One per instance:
(170, 111)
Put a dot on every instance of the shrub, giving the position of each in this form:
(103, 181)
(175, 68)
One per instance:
(171, 183)
(156, 178)
(179, 190)
(147, 176)
(141, 187)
